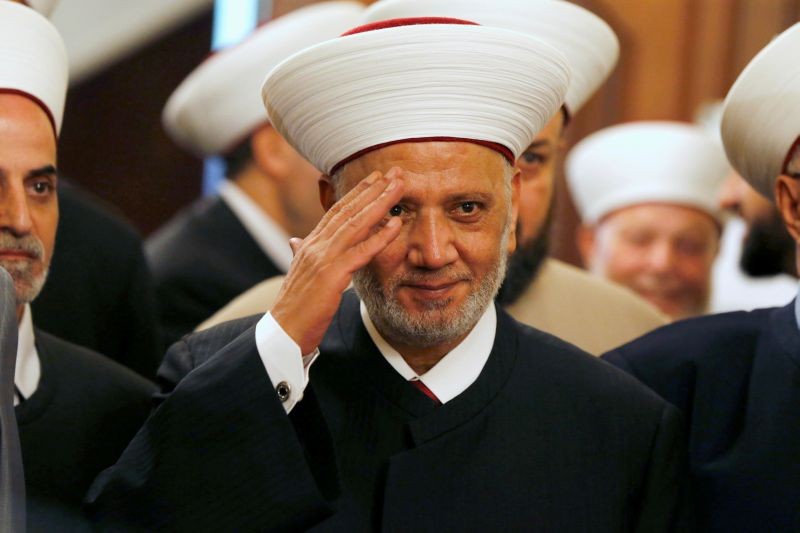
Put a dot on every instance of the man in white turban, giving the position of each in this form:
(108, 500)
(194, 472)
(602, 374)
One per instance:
(646, 193)
(736, 376)
(539, 291)
(414, 403)
(75, 409)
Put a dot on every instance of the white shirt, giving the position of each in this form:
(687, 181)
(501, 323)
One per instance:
(455, 371)
(28, 370)
(269, 236)
(447, 379)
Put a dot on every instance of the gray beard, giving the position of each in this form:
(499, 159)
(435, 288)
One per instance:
(431, 327)
(27, 285)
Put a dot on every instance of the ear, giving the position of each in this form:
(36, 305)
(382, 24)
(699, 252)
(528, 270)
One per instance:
(584, 239)
(269, 152)
(787, 200)
(327, 192)
(515, 185)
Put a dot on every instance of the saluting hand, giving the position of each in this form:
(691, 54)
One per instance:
(345, 240)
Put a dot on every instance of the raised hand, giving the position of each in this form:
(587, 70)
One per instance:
(350, 234)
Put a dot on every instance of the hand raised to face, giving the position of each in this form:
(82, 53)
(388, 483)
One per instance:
(348, 237)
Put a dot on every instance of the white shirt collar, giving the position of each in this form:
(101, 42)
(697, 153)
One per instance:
(28, 369)
(269, 236)
(455, 371)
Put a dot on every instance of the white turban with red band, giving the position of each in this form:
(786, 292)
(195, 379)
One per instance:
(412, 80)
(219, 105)
(590, 45)
(33, 59)
(645, 162)
(761, 117)
(45, 7)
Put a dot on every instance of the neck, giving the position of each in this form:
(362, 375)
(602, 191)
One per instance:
(262, 190)
(423, 359)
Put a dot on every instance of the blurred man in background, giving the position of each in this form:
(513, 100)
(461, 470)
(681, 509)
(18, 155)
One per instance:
(646, 193)
(736, 376)
(221, 246)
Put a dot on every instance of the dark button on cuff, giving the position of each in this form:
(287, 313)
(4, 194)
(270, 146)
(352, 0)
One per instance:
(284, 391)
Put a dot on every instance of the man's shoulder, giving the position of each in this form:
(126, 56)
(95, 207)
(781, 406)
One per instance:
(595, 290)
(90, 370)
(196, 348)
(699, 339)
(258, 299)
(569, 372)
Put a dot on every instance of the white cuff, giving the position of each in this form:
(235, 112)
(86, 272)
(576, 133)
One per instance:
(282, 360)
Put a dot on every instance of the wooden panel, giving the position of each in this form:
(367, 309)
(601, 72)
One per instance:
(112, 141)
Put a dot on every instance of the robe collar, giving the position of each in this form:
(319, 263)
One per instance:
(455, 371)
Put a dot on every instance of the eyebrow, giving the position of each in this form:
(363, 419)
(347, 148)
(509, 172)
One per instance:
(538, 144)
(47, 170)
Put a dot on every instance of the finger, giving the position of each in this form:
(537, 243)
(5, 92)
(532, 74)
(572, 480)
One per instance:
(362, 253)
(349, 208)
(360, 188)
(295, 243)
(362, 224)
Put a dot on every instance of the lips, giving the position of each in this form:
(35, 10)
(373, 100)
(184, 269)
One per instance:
(19, 255)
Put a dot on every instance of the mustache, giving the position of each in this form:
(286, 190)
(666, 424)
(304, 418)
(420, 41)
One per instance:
(27, 244)
(446, 275)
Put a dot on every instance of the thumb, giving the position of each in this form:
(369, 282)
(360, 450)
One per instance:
(295, 243)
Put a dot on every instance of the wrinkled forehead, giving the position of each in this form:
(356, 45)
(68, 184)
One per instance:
(464, 160)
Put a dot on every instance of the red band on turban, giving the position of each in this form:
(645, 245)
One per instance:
(413, 21)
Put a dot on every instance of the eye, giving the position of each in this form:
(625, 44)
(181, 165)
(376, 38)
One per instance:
(468, 207)
(533, 158)
(396, 211)
(42, 187)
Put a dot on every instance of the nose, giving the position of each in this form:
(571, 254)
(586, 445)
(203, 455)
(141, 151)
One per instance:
(661, 258)
(15, 216)
(431, 241)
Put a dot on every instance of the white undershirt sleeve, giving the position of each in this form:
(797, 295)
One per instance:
(282, 360)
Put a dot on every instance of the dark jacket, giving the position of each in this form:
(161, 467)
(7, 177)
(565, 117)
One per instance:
(82, 415)
(548, 439)
(736, 378)
(201, 260)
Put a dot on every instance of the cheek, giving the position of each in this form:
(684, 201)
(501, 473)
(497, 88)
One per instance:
(534, 202)
(46, 223)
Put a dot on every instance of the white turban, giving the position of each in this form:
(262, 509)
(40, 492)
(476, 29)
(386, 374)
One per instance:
(33, 60)
(589, 44)
(761, 118)
(219, 105)
(644, 162)
(423, 80)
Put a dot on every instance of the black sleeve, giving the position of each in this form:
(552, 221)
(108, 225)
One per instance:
(666, 499)
(220, 453)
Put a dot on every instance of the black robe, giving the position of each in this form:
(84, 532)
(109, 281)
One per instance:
(736, 378)
(83, 413)
(548, 439)
(99, 293)
(202, 259)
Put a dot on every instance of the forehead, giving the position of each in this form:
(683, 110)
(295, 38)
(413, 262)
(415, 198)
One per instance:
(25, 132)
(432, 164)
(661, 217)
